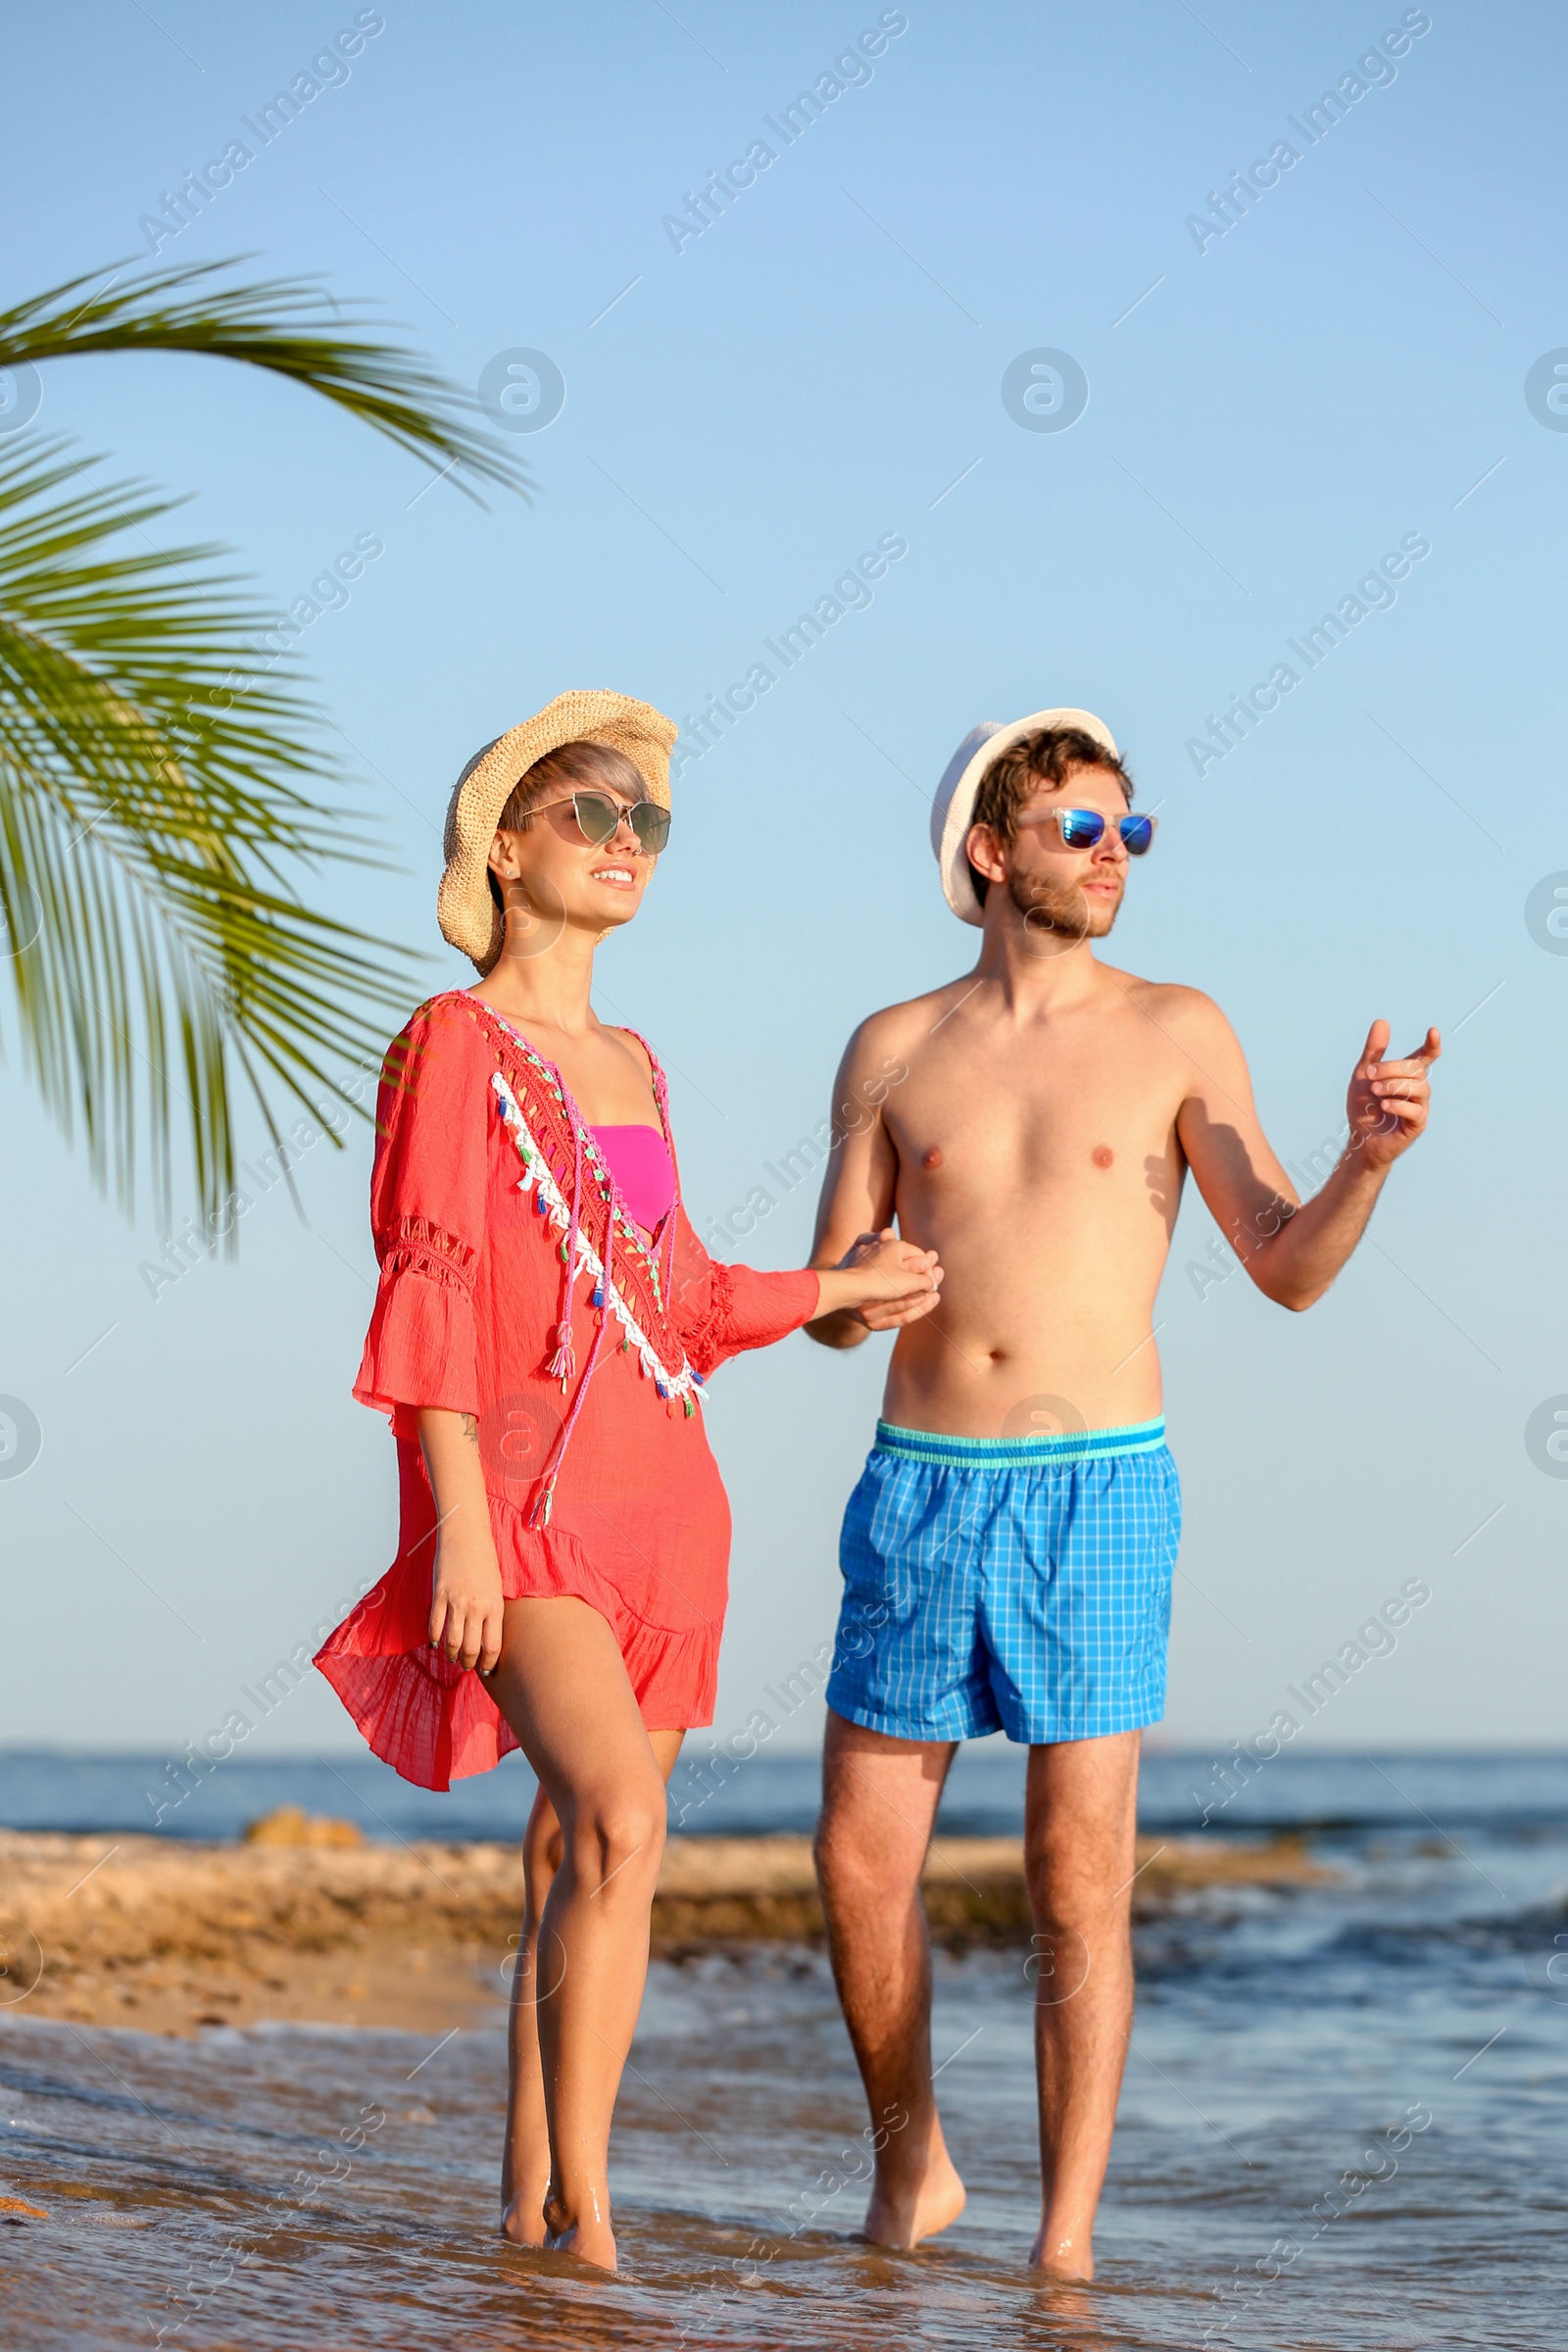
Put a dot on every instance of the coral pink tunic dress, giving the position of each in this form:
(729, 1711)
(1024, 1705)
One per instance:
(516, 1285)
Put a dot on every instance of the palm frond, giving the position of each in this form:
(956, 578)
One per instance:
(158, 800)
(279, 323)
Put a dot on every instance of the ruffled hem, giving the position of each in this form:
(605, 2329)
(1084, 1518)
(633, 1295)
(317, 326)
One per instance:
(419, 1350)
(435, 1722)
(747, 1310)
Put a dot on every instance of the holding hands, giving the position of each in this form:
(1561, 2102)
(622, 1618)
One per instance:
(1388, 1101)
(881, 1281)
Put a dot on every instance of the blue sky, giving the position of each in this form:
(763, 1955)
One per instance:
(1270, 411)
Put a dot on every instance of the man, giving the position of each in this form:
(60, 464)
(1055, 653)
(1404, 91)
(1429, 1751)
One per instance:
(1009, 1551)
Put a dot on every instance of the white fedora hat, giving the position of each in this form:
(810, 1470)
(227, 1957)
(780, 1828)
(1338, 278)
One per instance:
(953, 808)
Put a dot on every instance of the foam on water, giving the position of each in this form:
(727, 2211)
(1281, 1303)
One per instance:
(1342, 2127)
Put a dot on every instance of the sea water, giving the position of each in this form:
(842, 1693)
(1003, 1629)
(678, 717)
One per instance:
(1343, 2127)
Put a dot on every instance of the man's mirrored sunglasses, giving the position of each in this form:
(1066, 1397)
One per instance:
(1082, 828)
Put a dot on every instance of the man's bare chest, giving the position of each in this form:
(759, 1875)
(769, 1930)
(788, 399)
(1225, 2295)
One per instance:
(1036, 1116)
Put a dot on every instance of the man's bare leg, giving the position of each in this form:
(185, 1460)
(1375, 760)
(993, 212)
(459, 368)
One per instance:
(562, 1686)
(526, 2156)
(879, 1800)
(1080, 1827)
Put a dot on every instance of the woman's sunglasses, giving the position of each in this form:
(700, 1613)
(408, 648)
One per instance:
(599, 819)
(1082, 828)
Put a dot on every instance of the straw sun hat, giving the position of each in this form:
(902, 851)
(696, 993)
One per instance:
(953, 808)
(465, 908)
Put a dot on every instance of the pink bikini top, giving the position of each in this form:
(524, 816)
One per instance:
(638, 1160)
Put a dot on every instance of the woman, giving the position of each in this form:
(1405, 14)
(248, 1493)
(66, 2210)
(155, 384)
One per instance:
(545, 1321)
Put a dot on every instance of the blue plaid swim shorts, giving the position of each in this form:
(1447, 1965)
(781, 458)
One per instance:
(1019, 1584)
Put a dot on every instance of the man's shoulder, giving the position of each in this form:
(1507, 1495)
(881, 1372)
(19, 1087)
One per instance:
(895, 1026)
(1181, 1009)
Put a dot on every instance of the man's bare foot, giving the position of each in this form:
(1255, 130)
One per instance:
(911, 2206)
(522, 2221)
(1062, 2254)
(589, 2237)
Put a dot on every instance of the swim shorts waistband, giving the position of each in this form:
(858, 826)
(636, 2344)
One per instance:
(1019, 1454)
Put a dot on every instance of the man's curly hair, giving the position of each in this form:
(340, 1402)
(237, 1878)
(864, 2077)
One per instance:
(1049, 757)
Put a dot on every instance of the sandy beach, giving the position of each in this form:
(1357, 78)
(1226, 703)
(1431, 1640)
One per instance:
(302, 1921)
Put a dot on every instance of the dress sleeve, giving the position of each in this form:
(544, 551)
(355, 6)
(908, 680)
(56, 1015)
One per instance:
(427, 1194)
(722, 1310)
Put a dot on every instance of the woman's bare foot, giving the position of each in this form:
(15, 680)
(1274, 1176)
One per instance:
(916, 2200)
(522, 2219)
(1062, 2254)
(588, 2236)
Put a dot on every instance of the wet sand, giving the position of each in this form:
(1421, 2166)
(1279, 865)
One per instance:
(301, 1921)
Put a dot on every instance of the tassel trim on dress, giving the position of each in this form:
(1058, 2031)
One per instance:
(552, 1203)
(578, 1255)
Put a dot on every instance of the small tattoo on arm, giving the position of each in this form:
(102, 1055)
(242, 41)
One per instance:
(471, 1428)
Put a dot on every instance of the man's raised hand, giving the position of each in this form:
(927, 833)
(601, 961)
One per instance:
(1388, 1101)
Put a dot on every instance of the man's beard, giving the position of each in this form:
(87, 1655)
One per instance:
(1058, 915)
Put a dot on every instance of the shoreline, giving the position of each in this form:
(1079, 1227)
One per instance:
(302, 1922)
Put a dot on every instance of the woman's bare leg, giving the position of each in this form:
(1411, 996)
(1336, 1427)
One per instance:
(525, 2158)
(562, 1686)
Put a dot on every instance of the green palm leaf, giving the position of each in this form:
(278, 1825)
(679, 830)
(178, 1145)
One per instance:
(159, 804)
(279, 324)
